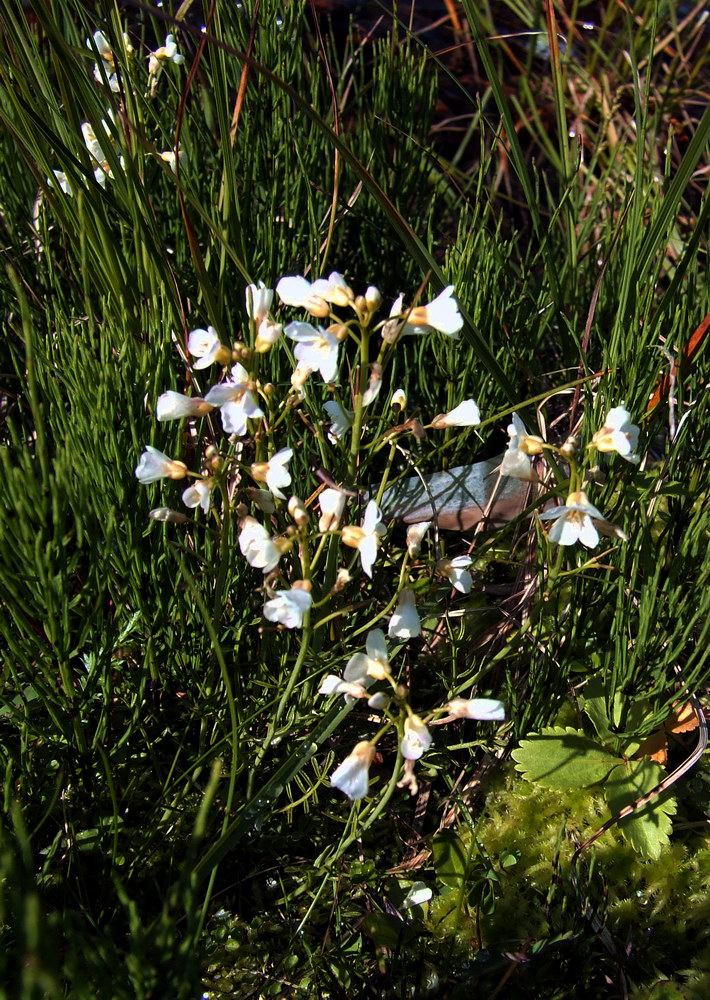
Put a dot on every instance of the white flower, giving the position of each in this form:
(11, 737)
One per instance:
(288, 607)
(274, 472)
(579, 521)
(416, 740)
(442, 314)
(262, 498)
(399, 398)
(96, 151)
(366, 539)
(166, 53)
(316, 349)
(466, 414)
(258, 300)
(199, 494)
(456, 570)
(258, 546)
(332, 505)
(61, 180)
(373, 386)
(205, 345)
(300, 376)
(486, 709)
(154, 465)
(516, 462)
(173, 405)
(405, 623)
(315, 298)
(618, 434)
(102, 46)
(361, 670)
(108, 58)
(332, 684)
(267, 333)
(236, 400)
(352, 777)
(341, 420)
(395, 328)
(415, 536)
(297, 510)
(171, 159)
(374, 664)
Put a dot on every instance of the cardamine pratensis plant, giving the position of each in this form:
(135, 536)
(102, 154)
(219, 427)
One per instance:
(307, 562)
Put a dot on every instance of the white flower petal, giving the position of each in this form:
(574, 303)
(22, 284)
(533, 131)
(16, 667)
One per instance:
(485, 709)
(352, 776)
(288, 607)
(405, 622)
(416, 739)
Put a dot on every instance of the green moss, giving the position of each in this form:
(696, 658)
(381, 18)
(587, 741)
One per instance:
(657, 910)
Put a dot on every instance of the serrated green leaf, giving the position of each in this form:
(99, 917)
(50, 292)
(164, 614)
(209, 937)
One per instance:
(562, 758)
(594, 705)
(648, 829)
(634, 715)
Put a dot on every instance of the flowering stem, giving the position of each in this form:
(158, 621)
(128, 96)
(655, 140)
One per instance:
(225, 553)
(356, 433)
(371, 816)
(283, 702)
(392, 602)
(386, 474)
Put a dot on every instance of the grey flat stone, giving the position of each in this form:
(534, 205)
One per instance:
(457, 498)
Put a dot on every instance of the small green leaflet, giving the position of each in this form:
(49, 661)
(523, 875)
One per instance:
(647, 829)
(563, 758)
(451, 859)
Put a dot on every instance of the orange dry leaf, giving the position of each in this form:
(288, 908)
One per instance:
(681, 720)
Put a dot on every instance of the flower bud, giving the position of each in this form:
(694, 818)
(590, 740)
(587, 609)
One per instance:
(399, 399)
(352, 535)
(339, 331)
(342, 579)
(298, 512)
(570, 446)
(165, 514)
(373, 298)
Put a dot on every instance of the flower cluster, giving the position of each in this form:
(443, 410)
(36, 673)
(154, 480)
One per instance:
(316, 554)
(107, 71)
(414, 735)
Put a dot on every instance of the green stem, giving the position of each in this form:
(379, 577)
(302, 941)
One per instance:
(283, 702)
(356, 433)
